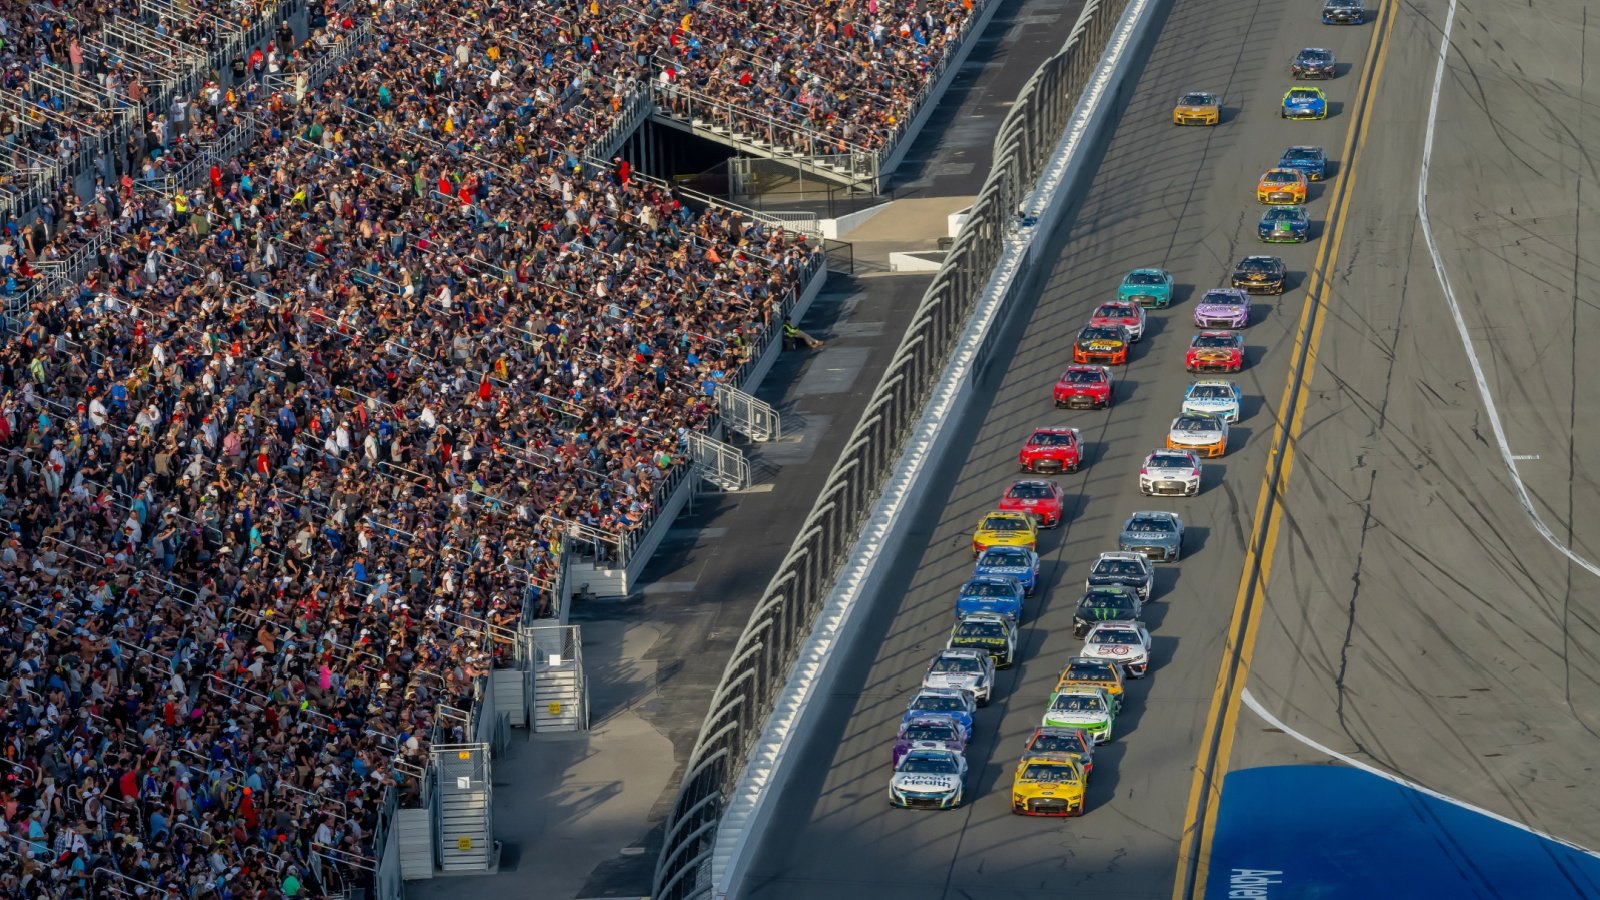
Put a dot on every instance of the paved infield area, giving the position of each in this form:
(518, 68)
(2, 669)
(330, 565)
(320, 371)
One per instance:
(1416, 619)
(1179, 198)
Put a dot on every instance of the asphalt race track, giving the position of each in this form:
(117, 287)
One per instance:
(1182, 198)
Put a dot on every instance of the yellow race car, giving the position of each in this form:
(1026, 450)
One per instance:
(1281, 187)
(1197, 108)
(1005, 529)
(1083, 672)
(1051, 784)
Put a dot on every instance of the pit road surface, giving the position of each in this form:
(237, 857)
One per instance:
(1182, 198)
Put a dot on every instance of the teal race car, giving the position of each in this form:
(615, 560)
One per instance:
(1150, 288)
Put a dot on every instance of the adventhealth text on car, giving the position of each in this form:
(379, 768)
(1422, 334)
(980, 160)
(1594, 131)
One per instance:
(1038, 498)
(1004, 529)
(928, 779)
(1123, 567)
(1148, 287)
(1284, 225)
(1205, 435)
(1155, 534)
(1310, 160)
(1103, 344)
(1305, 103)
(998, 594)
(1214, 397)
(1051, 449)
(1049, 785)
(1089, 709)
(995, 635)
(1105, 603)
(928, 733)
(1125, 643)
(1222, 308)
(1170, 473)
(1215, 351)
(1126, 313)
(962, 669)
(1014, 562)
(1260, 275)
(1081, 387)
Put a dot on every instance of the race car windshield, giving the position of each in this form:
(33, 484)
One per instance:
(1168, 461)
(1102, 604)
(1118, 568)
(1099, 334)
(1050, 439)
(957, 665)
(1221, 298)
(1079, 672)
(1192, 425)
(988, 630)
(1004, 556)
(1315, 56)
(1210, 392)
(1214, 341)
(1116, 636)
(1198, 99)
(1256, 266)
(1279, 178)
(1050, 774)
(1055, 743)
(929, 765)
(1085, 376)
(930, 733)
(1145, 523)
(1300, 154)
(1144, 278)
(1077, 703)
(986, 589)
(1115, 311)
(941, 704)
(998, 524)
(1303, 94)
(1027, 491)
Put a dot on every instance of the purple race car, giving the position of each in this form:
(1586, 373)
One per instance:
(1223, 308)
(929, 733)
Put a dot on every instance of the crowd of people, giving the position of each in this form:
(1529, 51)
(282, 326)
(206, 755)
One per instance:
(287, 466)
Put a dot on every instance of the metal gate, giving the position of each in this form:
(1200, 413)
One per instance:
(465, 807)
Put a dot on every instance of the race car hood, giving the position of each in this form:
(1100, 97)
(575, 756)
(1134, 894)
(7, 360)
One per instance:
(1195, 437)
(1302, 102)
(963, 680)
(1160, 473)
(1218, 309)
(1153, 536)
(1122, 653)
(921, 783)
(1100, 344)
(1132, 581)
(1193, 109)
(1215, 352)
(1073, 387)
(1005, 606)
(1023, 574)
(1076, 717)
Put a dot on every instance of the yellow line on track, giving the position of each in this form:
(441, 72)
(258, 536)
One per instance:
(1199, 823)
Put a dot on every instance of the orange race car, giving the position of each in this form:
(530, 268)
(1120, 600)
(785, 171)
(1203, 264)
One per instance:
(1282, 187)
(1197, 108)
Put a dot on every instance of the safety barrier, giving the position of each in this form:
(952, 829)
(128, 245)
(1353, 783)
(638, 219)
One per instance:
(747, 414)
(783, 619)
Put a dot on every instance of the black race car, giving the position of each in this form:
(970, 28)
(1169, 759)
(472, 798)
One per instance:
(1260, 275)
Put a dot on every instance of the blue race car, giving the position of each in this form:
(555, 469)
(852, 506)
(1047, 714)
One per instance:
(1017, 562)
(957, 704)
(999, 594)
(1285, 225)
(1309, 161)
(1305, 103)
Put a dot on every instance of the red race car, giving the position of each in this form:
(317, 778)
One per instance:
(1058, 449)
(1041, 499)
(1126, 313)
(1084, 387)
(1215, 351)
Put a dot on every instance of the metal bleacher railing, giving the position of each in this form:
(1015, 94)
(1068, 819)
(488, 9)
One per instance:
(761, 661)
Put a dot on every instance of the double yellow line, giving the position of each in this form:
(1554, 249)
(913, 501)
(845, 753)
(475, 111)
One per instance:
(1199, 823)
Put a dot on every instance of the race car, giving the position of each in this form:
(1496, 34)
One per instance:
(1050, 784)
(1101, 343)
(1083, 387)
(995, 635)
(1215, 351)
(1205, 435)
(1310, 160)
(1343, 12)
(1121, 567)
(1105, 603)
(1284, 225)
(1004, 529)
(928, 733)
(1222, 308)
(1040, 499)
(1150, 288)
(1281, 187)
(1197, 108)
(1158, 536)
(1170, 473)
(957, 704)
(1214, 397)
(1125, 643)
(966, 670)
(1313, 62)
(1304, 103)
(999, 594)
(1089, 709)
(1082, 671)
(1051, 449)
(1073, 741)
(929, 779)
(1260, 275)
(1013, 562)
(1126, 313)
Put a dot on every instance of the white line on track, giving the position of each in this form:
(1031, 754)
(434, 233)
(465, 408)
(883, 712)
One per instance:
(1256, 707)
(1489, 407)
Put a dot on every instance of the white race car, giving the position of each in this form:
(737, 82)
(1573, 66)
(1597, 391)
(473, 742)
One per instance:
(929, 779)
(1170, 473)
(965, 669)
(1214, 397)
(1088, 708)
(1126, 643)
